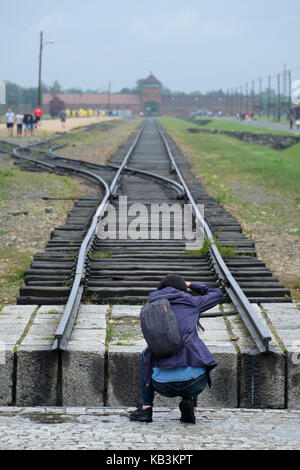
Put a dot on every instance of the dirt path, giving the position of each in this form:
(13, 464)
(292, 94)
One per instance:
(54, 125)
(26, 217)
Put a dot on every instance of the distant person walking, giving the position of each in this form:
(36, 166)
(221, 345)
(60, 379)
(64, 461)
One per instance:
(19, 122)
(10, 119)
(34, 121)
(63, 117)
(291, 120)
(27, 121)
(38, 113)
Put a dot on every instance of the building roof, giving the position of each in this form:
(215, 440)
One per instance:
(86, 99)
(151, 80)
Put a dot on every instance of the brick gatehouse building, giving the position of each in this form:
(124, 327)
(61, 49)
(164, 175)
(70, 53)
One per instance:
(151, 100)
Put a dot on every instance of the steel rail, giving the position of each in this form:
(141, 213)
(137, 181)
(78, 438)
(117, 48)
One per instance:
(178, 188)
(256, 328)
(68, 317)
(66, 323)
(65, 326)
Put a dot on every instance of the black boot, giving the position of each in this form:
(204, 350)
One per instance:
(144, 416)
(187, 411)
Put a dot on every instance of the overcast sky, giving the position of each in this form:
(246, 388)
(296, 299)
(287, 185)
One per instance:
(188, 45)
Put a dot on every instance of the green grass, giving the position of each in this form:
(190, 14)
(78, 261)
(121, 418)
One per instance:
(53, 311)
(22, 187)
(220, 156)
(5, 178)
(223, 250)
(257, 184)
(110, 332)
(15, 181)
(16, 262)
(100, 254)
(224, 125)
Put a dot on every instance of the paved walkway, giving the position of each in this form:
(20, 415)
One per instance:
(275, 126)
(63, 428)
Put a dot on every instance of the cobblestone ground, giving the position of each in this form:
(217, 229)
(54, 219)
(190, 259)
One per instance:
(110, 429)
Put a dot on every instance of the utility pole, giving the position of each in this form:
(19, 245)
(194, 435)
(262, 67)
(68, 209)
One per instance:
(260, 96)
(290, 88)
(246, 93)
(226, 102)
(42, 43)
(241, 100)
(269, 96)
(284, 84)
(40, 69)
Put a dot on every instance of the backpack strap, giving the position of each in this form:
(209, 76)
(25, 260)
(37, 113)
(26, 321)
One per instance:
(199, 326)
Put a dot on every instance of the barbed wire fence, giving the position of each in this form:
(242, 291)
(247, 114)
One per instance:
(269, 96)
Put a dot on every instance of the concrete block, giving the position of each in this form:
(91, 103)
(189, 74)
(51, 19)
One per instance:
(285, 319)
(13, 321)
(229, 309)
(83, 377)
(83, 363)
(6, 374)
(224, 388)
(213, 324)
(37, 375)
(20, 310)
(120, 312)
(37, 365)
(124, 374)
(43, 328)
(51, 309)
(261, 375)
(212, 312)
(293, 377)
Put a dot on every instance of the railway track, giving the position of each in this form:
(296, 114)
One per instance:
(77, 265)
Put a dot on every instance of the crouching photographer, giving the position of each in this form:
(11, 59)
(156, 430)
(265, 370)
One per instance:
(176, 362)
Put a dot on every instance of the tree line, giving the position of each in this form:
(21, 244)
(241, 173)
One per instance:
(17, 95)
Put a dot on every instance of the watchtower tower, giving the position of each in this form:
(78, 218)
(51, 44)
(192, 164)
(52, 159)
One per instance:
(151, 97)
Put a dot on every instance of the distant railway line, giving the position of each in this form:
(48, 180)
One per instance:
(77, 265)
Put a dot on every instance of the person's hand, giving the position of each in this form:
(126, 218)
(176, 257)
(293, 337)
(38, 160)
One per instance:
(187, 284)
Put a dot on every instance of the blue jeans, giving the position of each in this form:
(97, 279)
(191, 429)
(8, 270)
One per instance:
(186, 389)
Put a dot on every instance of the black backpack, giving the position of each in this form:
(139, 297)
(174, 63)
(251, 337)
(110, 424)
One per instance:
(160, 328)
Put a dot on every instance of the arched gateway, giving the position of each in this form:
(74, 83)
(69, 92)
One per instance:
(151, 97)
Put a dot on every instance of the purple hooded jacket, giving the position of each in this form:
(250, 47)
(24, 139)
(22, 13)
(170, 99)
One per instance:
(187, 309)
